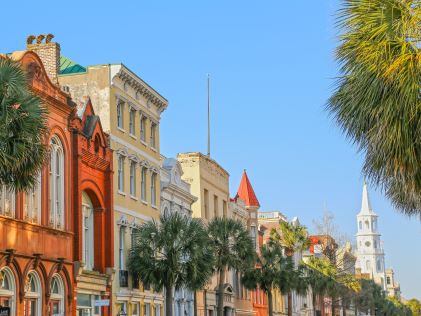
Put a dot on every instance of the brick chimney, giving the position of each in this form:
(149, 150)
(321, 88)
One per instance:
(48, 52)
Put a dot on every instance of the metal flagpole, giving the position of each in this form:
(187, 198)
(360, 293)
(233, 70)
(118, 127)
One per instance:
(208, 115)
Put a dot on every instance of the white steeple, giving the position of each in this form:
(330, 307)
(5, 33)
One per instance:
(365, 203)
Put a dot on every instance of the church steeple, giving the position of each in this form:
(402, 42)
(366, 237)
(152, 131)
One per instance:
(365, 203)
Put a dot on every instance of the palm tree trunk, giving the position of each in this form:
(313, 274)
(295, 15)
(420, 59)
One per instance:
(270, 303)
(168, 300)
(221, 292)
(289, 303)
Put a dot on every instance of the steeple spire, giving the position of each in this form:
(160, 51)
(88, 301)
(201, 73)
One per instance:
(246, 192)
(365, 203)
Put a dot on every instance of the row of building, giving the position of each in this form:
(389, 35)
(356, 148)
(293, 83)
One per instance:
(64, 245)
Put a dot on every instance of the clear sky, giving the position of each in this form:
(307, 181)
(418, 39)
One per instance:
(272, 68)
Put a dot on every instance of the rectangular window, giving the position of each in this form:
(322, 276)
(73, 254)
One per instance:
(32, 203)
(135, 309)
(143, 184)
(97, 309)
(215, 206)
(132, 122)
(143, 127)
(206, 202)
(121, 173)
(122, 248)
(147, 309)
(120, 106)
(7, 202)
(253, 233)
(157, 310)
(153, 135)
(153, 188)
(133, 178)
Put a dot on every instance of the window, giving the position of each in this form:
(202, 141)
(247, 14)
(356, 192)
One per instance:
(375, 244)
(132, 122)
(57, 296)
(143, 184)
(361, 225)
(368, 265)
(215, 206)
(122, 248)
(120, 106)
(153, 135)
(87, 232)
(206, 202)
(32, 203)
(56, 183)
(7, 290)
(253, 232)
(135, 309)
(153, 189)
(367, 225)
(121, 173)
(388, 280)
(379, 265)
(7, 202)
(133, 178)
(374, 225)
(122, 309)
(33, 296)
(157, 310)
(143, 127)
(147, 309)
(97, 309)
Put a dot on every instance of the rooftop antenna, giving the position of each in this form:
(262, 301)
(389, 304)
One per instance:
(208, 115)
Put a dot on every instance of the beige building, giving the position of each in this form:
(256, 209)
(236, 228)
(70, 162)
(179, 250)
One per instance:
(130, 112)
(210, 183)
(392, 286)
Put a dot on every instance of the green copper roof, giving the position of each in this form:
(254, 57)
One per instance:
(68, 66)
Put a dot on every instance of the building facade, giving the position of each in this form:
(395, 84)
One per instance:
(36, 276)
(130, 112)
(176, 197)
(370, 253)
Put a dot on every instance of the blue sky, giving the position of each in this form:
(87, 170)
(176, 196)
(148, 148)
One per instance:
(272, 68)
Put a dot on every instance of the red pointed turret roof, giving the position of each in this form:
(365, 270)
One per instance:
(246, 192)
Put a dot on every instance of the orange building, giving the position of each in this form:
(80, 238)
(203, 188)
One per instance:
(259, 298)
(36, 228)
(93, 213)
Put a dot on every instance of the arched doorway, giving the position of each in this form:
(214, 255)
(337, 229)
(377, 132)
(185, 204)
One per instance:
(7, 290)
(57, 296)
(33, 295)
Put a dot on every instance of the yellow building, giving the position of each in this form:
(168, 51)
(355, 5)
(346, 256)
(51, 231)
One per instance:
(130, 112)
(210, 183)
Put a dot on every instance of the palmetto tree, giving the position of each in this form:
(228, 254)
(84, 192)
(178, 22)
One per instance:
(172, 253)
(377, 99)
(233, 249)
(272, 270)
(293, 237)
(23, 122)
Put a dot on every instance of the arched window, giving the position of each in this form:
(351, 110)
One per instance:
(56, 183)
(33, 295)
(143, 184)
(367, 225)
(87, 232)
(7, 202)
(32, 203)
(166, 212)
(379, 265)
(7, 289)
(57, 296)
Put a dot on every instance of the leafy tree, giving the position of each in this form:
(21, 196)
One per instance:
(293, 237)
(377, 100)
(233, 249)
(173, 253)
(23, 125)
(415, 306)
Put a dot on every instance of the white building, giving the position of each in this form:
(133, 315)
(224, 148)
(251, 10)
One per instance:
(176, 197)
(370, 253)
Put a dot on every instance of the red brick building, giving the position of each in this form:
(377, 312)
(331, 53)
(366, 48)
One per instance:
(93, 212)
(36, 228)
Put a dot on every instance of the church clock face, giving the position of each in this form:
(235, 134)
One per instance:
(368, 244)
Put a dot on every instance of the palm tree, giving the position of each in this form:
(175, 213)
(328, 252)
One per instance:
(293, 237)
(272, 270)
(377, 99)
(23, 125)
(172, 253)
(233, 249)
(317, 283)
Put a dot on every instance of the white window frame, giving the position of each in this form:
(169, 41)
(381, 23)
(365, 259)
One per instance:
(132, 122)
(58, 296)
(143, 179)
(120, 168)
(32, 203)
(37, 295)
(7, 202)
(137, 309)
(153, 189)
(122, 247)
(153, 135)
(88, 246)
(143, 121)
(57, 174)
(10, 293)
(120, 114)
(133, 178)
